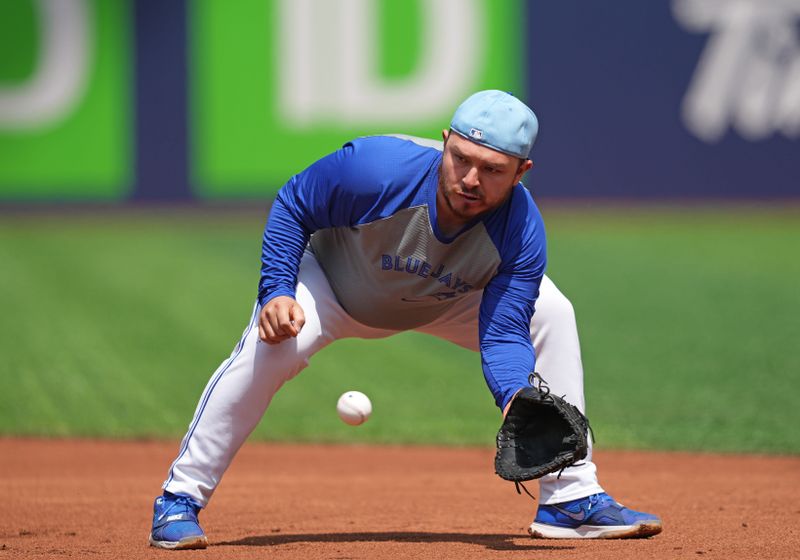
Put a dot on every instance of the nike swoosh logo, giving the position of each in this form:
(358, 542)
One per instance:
(571, 514)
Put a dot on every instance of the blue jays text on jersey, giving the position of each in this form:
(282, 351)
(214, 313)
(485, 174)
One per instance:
(424, 269)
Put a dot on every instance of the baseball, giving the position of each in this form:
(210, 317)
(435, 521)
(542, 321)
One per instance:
(354, 408)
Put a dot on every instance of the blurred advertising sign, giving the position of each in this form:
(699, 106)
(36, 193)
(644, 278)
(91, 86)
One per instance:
(276, 84)
(677, 99)
(64, 99)
(748, 76)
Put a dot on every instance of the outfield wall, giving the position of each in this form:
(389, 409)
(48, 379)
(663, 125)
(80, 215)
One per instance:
(115, 100)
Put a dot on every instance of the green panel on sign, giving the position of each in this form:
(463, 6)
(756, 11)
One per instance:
(399, 33)
(17, 41)
(78, 145)
(268, 94)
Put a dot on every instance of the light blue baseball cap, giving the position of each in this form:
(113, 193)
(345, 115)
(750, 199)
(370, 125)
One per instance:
(497, 120)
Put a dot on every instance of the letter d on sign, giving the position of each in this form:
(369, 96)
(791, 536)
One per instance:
(59, 79)
(328, 62)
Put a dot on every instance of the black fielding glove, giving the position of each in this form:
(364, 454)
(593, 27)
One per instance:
(542, 433)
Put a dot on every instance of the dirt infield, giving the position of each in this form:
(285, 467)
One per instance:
(88, 499)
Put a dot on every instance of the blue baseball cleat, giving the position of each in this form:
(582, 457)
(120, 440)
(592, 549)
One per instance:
(175, 523)
(593, 517)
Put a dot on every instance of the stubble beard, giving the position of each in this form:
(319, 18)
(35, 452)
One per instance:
(446, 194)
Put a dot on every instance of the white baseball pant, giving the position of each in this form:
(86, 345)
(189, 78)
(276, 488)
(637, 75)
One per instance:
(238, 393)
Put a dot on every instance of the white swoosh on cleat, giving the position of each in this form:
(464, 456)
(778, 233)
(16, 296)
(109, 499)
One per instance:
(572, 515)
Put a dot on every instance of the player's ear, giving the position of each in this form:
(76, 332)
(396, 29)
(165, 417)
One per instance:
(445, 134)
(523, 168)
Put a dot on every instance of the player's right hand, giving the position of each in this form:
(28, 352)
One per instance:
(280, 319)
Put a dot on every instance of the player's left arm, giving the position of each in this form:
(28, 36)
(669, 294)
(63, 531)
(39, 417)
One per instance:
(507, 354)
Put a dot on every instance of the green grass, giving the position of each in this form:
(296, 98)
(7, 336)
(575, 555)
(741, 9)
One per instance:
(110, 325)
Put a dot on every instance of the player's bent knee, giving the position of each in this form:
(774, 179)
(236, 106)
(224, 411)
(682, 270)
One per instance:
(554, 307)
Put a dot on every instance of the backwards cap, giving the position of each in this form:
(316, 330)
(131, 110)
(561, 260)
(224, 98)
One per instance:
(497, 120)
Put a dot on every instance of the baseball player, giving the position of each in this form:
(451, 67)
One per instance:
(390, 234)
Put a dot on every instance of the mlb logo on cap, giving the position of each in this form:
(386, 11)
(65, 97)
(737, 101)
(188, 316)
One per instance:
(475, 133)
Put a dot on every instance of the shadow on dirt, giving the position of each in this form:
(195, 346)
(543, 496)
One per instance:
(490, 541)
